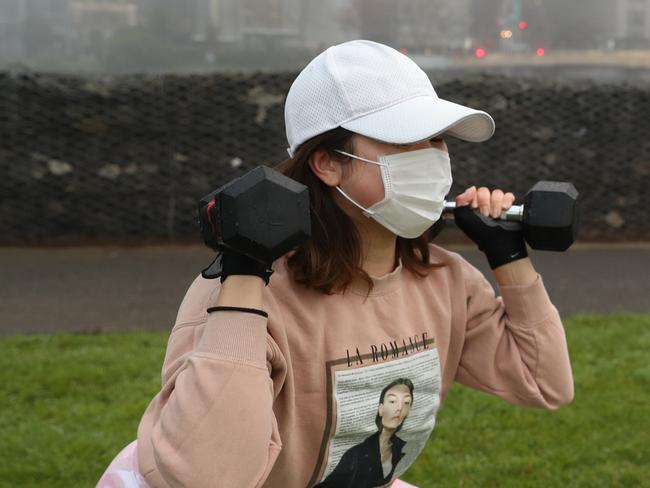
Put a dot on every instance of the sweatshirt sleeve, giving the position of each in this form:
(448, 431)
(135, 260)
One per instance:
(515, 346)
(215, 417)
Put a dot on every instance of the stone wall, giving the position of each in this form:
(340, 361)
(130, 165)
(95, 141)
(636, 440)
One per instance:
(125, 159)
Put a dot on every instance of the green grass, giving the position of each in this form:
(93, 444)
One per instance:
(70, 402)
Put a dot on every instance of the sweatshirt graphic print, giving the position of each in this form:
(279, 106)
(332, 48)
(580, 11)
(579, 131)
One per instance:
(385, 412)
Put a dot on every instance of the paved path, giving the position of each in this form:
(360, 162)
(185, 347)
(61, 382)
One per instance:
(120, 288)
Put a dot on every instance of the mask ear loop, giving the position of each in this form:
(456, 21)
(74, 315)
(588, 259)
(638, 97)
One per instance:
(360, 158)
(386, 184)
(365, 210)
(369, 212)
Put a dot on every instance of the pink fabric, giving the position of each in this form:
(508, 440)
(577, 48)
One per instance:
(123, 470)
(402, 484)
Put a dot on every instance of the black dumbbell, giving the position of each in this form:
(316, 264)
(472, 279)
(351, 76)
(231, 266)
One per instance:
(262, 214)
(550, 215)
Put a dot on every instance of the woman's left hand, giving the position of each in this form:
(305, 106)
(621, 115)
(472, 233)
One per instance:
(502, 241)
(493, 204)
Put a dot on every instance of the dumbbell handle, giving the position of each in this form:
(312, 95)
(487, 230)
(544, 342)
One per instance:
(516, 212)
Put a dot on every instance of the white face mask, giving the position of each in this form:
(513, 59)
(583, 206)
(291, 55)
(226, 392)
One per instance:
(415, 185)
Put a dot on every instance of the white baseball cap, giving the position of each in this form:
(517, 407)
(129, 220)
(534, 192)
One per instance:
(376, 91)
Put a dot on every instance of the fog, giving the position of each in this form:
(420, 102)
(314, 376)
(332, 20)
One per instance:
(127, 36)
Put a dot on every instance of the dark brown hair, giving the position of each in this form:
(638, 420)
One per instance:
(331, 259)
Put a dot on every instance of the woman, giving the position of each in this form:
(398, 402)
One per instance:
(268, 367)
(382, 450)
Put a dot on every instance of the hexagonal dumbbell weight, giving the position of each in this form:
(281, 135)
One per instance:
(262, 214)
(550, 215)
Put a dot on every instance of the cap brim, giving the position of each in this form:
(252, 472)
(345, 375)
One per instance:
(420, 118)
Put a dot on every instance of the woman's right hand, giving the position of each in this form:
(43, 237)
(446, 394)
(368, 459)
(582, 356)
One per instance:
(243, 279)
(236, 263)
(230, 262)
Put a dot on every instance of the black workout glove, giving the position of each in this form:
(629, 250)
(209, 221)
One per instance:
(229, 262)
(502, 241)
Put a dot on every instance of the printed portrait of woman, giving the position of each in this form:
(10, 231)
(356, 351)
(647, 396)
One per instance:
(372, 462)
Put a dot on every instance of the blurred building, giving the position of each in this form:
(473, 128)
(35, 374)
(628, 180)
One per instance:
(306, 24)
(104, 16)
(34, 30)
(42, 32)
(12, 17)
(165, 34)
(256, 23)
(586, 24)
(315, 24)
(174, 19)
(633, 20)
(433, 25)
(94, 23)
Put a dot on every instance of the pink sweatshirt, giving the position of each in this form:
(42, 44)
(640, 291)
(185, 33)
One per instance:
(340, 390)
